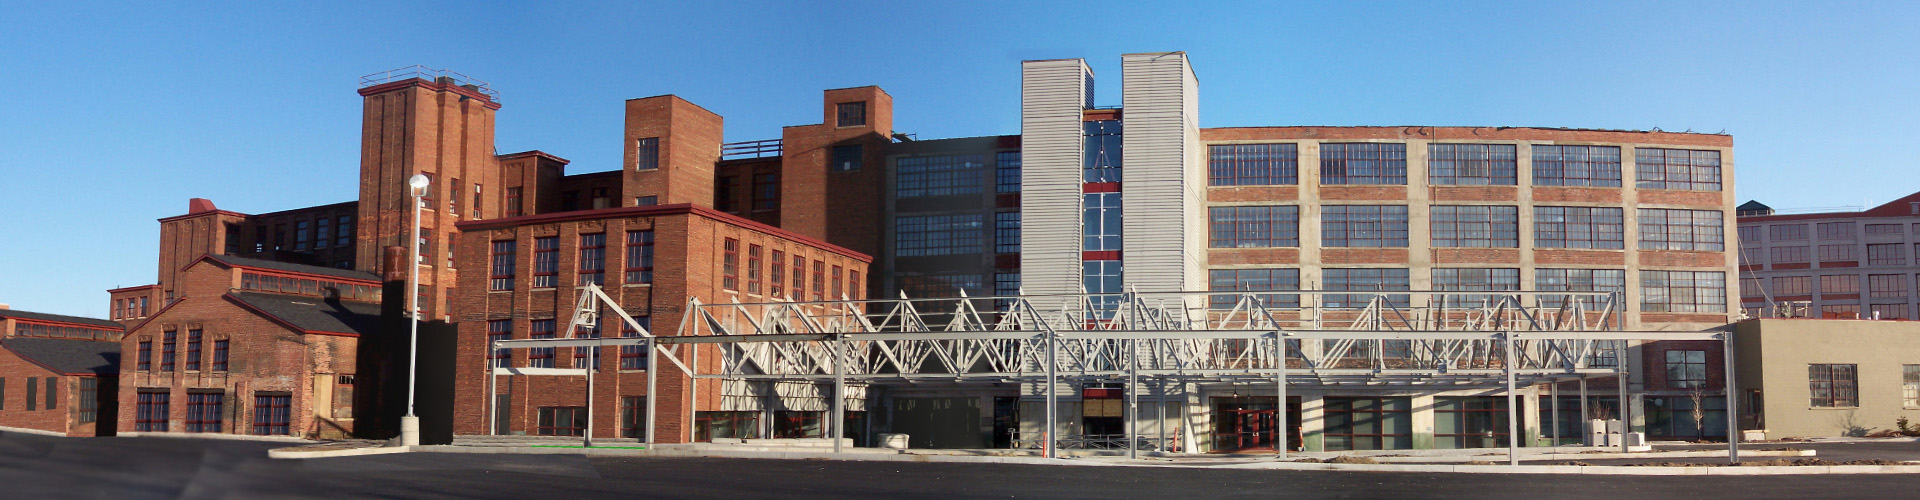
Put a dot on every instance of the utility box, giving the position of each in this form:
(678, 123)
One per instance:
(893, 441)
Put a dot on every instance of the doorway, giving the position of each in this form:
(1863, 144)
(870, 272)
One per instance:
(1243, 424)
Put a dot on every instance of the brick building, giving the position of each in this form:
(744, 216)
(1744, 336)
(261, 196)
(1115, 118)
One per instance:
(57, 373)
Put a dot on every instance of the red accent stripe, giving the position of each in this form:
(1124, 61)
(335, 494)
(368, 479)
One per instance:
(1100, 187)
(1100, 255)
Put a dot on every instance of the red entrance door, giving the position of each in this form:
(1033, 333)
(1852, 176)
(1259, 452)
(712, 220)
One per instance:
(1248, 430)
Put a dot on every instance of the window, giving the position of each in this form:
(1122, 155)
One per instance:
(203, 411)
(426, 247)
(1006, 172)
(498, 330)
(1253, 164)
(639, 257)
(166, 349)
(1833, 385)
(633, 417)
(1100, 222)
(1839, 253)
(1840, 311)
(502, 269)
(1103, 276)
(1368, 280)
(562, 421)
(1792, 285)
(646, 153)
(1683, 291)
(766, 191)
(602, 198)
(754, 254)
(1470, 422)
(33, 393)
(193, 349)
(1887, 286)
(1831, 284)
(323, 232)
(938, 175)
(1834, 230)
(146, 355)
(453, 198)
(1368, 423)
(513, 202)
(798, 424)
(151, 413)
(1677, 169)
(1475, 226)
(220, 355)
(1363, 163)
(723, 192)
(846, 158)
(1473, 164)
(1787, 232)
(1588, 166)
(345, 236)
(540, 357)
(1671, 417)
(851, 114)
(593, 259)
(777, 275)
(730, 265)
(1474, 279)
(1253, 280)
(1686, 369)
(1697, 230)
(272, 413)
(1579, 227)
(1750, 234)
(1888, 311)
(633, 357)
(941, 285)
(938, 235)
(3, 393)
(301, 236)
(708, 425)
(1888, 254)
(1363, 226)
(1874, 229)
(1005, 285)
(477, 192)
(799, 290)
(819, 281)
(1789, 255)
(856, 289)
(546, 261)
(646, 201)
(838, 293)
(1910, 386)
(1579, 280)
(1254, 227)
(1006, 232)
(89, 398)
(1101, 151)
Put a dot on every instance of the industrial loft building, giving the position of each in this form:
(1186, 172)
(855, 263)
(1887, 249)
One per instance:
(1840, 265)
(57, 373)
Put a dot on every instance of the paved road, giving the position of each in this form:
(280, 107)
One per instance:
(139, 468)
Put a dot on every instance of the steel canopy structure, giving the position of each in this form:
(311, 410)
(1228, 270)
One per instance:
(1446, 340)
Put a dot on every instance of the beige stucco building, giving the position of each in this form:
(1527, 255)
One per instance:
(1823, 378)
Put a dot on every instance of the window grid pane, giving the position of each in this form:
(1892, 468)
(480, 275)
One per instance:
(1253, 164)
(1473, 164)
(1363, 163)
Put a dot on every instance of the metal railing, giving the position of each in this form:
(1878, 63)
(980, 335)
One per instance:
(423, 72)
(750, 149)
(1089, 442)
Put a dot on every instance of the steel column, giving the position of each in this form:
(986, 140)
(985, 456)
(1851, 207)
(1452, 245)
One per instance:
(1586, 417)
(592, 355)
(653, 377)
(1553, 398)
(839, 394)
(1626, 409)
(1281, 442)
(492, 380)
(1133, 399)
(1733, 405)
(1513, 418)
(1053, 380)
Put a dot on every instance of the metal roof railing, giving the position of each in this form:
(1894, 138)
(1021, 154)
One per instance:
(426, 73)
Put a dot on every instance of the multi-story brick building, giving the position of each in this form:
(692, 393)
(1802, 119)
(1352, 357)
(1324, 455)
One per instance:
(1841, 265)
(57, 373)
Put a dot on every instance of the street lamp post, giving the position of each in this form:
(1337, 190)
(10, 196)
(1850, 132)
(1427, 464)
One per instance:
(410, 424)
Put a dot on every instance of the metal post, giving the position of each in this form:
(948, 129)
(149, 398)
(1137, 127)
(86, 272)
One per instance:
(1553, 398)
(1626, 409)
(410, 424)
(1732, 399)
(1046, 447)
(1282, 438)
(1513, 420)
(1586, 417)
(492, 412)
(839, 394)
(587, 437)
(1133, 399)
(653, 377)
(1160, 417)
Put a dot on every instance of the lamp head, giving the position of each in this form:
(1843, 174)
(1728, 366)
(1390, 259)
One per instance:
(419, 182)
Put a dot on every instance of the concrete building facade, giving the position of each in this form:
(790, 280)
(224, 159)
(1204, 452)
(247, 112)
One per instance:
(1838, 265)
(1827, 378)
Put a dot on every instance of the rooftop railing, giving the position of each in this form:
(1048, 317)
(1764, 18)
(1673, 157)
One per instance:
(426, 73)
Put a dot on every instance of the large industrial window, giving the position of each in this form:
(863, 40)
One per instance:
(730, 264)
(1787, 232)
(1100, 222)
(540, 357)
(1887, 286)
(1839, 284)
(546, 262)
(755, 260)
(941, 285)
(819, 281)
(708, 425)
(1789, 255)
(150, 410)
(1910, 386)
(1671, 417)
(1839, 253)
(1887, 311)
(1840, 311)
(498, 330)
(938, 175)
(1698, 230)
(777, 275)
(1834, 230)
(1476, 226)
(1006, 172)
(1368, 423)
(1469, 422)
(1580, 280)
(799, 424)
(639, 257)
(846, 158)
(850, 114)
(1683, 291)
(1253, 164)
(1101, 157)
(938, 235)
(835, 282)
(1587, 166)
(634, 357)
(1006, 232)
(145, 357)
(1363, 226)
(1474, 279)
(1887, 254)
(1473, 164)
(1254, 227)
(1367, 280)
(167, 342)
(513, 202)
(1750, 234)
(501, 272)
(799, 277)
(1677, 169)
(1579, 227)
(89, 397)
(1363, 163)
(193, 349)
(272, 413)
(1253, 280)
(593, 259)
(204, 411)
(1881, 228)
(562, 421)
(1005, 285)
(633, 417)
(1792, 285)
(1833, 385)
(1686, 369)
(766, 191)
(646, 153)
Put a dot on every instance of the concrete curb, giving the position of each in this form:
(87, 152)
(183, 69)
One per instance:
(36, 432)
(209, 435)
(296, 452)
(1597, 456)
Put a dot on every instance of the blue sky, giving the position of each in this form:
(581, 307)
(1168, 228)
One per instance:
(112, 115)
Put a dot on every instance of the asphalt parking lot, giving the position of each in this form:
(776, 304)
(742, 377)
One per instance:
(140, 468)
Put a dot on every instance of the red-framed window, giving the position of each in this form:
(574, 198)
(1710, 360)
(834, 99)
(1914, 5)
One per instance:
(730, 264)
(799, 424)
(540, 357)
(546, 261)
(143, 307)
(513, 202)
(1368, 423)
(819, 281)
(146, 355)
(633, 357)
(151, 410)
(193, 349)
(203, 411)
(167, 342)
(272, 413)
(497, 330)
(476, 200)
(777, 274)
(562, 421)
(726, 424)
(855, 288)
(799, 290)
(501, 272)
(633, 416)
(754, 253)
(639, 257)
(593, 259)
(220, 355)
(838, 292)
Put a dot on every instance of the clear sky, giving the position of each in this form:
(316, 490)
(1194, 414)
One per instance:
(112, 115)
